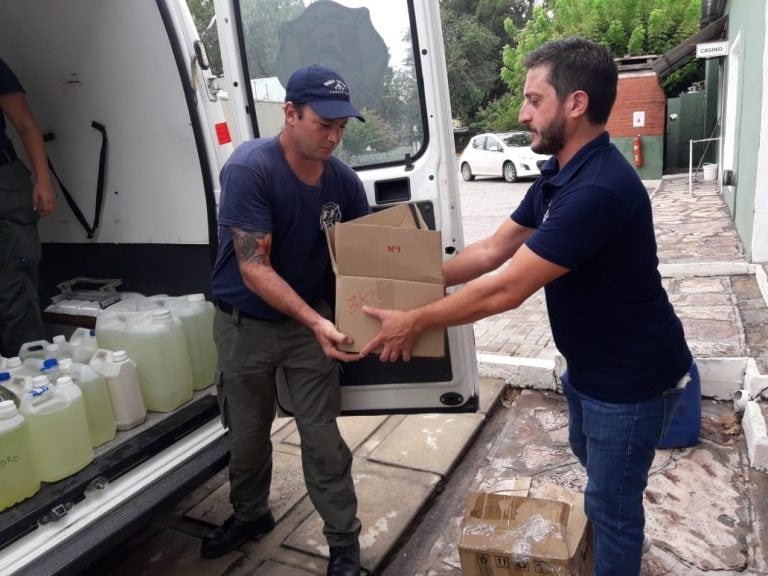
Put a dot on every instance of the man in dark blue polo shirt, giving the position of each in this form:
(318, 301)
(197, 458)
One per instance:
(584, 231)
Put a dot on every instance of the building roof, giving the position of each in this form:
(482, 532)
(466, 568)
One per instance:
(681, 54)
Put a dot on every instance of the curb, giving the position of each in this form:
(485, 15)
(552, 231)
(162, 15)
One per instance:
(725, 379)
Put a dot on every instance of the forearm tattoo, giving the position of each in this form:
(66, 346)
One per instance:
(252, 247)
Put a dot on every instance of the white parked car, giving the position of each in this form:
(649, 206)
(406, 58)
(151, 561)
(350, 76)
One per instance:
(506, 154)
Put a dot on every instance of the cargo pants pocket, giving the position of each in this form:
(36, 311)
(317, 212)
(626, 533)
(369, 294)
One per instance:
(222, 398)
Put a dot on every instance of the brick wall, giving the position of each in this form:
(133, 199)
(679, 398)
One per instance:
(638, 92)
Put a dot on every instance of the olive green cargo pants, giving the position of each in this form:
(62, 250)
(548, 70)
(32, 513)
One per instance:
(250, 354)
(20, 317)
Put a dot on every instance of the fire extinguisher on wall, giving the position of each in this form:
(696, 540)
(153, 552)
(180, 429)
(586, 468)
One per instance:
(637, 151)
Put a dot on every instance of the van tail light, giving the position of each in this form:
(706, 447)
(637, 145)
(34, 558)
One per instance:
(222, 133)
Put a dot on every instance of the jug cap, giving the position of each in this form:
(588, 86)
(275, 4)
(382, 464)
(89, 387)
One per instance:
(120, 356)
(49, 363)
(5, 376)
(41, 380)
(58, 339)
(13, 362)
(64, 381)
(7, 409)
(161, 314)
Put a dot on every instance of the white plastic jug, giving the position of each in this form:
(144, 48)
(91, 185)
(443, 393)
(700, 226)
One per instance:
(83, 344)
(196, 315)
(19, 384)
(35, 349)
(63, 348)
(123, 385)
(5, 390)
(159, 348)
(18, 476)
(58, 428)
(112, 331)
(98, 406)
(12, 365)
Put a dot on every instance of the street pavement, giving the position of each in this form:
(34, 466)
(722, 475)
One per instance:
(706, 505)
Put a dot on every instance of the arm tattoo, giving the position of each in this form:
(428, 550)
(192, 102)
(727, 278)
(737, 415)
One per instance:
(252, 247)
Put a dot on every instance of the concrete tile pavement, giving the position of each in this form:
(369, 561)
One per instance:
(704, 510)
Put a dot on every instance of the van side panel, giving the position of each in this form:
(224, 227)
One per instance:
(109, 61)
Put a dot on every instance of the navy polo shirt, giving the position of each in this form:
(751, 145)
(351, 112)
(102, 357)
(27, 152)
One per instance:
(610, 316)
(260, 193)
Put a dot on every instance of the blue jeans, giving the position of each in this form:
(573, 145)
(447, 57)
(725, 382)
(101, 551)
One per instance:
(616, 443)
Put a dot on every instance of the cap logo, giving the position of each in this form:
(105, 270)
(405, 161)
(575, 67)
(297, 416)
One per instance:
(336, 86)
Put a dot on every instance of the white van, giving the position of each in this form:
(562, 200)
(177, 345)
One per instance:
(136, 134)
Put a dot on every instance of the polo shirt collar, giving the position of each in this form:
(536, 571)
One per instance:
(557, 177)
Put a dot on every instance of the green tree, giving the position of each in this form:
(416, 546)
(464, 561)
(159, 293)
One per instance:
(471, 53)
(472, 33)
(372, 136)
(203, 16)
(261, 23)
(626, 27)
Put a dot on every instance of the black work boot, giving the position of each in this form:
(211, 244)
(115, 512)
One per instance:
(345, 560)
(234, 533)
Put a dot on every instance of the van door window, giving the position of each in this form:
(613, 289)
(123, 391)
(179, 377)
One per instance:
(368, 42)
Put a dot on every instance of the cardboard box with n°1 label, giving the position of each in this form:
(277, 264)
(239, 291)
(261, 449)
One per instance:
(525, 531)
(388, 259)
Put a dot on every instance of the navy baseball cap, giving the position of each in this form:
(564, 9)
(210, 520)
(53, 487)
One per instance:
(324, 90)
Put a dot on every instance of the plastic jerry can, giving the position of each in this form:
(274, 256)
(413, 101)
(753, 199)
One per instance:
(98, 407)
(159, 349)
(58, 428)
(83, 344)
(12, 365)
(64, 350)
(5, 391)
(18, 476)
(196, 315)
(35, 349)
(112, 331)
(123, 386)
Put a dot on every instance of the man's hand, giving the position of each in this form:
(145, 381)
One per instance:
(329, 337)
(43, 198)
(398, 335)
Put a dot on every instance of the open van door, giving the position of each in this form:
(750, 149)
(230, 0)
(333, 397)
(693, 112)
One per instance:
(391, 56)
(134, 131)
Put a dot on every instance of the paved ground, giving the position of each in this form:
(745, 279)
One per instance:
(706, 506)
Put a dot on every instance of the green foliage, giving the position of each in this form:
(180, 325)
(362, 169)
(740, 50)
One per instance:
(472, 33)
(625, 27)
(261, 24)
(373, 135)
(202, 14)
(499, 116)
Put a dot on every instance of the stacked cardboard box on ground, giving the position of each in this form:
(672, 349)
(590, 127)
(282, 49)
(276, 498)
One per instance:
(388, 259)
(521, 531)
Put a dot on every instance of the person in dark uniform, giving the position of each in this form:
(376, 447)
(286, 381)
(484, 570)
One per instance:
(23, 200)
(269, 281)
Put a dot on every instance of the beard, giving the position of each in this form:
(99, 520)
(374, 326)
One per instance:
(551, 136)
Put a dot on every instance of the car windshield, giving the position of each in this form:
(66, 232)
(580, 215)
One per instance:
(518, 139)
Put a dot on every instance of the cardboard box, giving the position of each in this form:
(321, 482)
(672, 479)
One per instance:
(525, 532)
(387, 259)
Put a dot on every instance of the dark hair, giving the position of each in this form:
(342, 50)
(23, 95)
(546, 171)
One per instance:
(579, 64)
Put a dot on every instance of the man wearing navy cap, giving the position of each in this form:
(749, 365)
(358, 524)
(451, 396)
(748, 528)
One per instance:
(270, 282)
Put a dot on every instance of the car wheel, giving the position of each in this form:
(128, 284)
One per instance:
(510, 172)
(466, 172)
